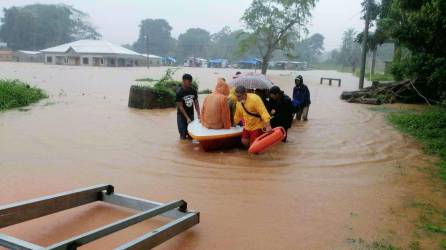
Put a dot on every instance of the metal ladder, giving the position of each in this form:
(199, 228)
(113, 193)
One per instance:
(182, 219)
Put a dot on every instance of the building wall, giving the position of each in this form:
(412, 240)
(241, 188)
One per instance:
(22, 57)
(97, 60)
(6, 56)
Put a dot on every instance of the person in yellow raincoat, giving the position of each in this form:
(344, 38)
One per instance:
(251, 109)
(216, 113)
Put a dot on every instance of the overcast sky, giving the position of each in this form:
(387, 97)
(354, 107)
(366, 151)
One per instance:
(118, 20)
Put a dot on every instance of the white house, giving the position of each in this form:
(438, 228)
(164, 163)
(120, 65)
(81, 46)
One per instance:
(93, 53)
(28, 56)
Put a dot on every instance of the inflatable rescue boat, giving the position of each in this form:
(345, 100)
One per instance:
(215, 139)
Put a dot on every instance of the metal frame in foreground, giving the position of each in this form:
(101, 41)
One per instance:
(23, 211)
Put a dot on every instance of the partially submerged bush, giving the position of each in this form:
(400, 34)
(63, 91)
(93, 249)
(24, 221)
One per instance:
(159, 95)
(15, 94)
(205, 91)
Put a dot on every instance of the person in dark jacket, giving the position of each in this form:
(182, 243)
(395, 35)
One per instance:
(301, 99)
(280, 108)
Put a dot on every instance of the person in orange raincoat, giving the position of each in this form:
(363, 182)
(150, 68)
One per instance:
(216, 113)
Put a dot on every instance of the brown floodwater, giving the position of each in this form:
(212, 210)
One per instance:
(341, 176)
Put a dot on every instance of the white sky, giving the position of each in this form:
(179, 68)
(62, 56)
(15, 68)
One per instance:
(118, 20)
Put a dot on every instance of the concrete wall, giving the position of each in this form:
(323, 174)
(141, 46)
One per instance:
(97, 60)
(22, 57)
(6, 56)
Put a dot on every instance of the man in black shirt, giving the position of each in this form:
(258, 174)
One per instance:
(186, 98)
(280, 108)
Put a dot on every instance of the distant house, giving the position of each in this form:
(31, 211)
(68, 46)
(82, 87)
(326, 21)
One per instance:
(28, 56)
(218, 63)
(153, 59)
(290, 65)
(6, 55)
(93, 53)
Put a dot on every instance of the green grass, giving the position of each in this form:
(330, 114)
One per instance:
(337, 67)
(428, 127)
(443, 244)
(376, 76)
(16, 94)
(435, 228)
(375, 245)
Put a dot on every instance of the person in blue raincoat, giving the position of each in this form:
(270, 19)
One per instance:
(301, 99)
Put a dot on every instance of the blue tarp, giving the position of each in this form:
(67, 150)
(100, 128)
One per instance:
(252, 61)
(169, 59)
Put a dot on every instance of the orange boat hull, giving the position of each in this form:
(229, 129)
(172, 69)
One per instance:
(266, 141)
(221, 144)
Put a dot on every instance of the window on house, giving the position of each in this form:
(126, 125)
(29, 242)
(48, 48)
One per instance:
(85, 60)
(102, 60)
(49, 59)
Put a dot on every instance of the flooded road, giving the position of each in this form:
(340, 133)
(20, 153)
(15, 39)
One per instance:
(341, 176)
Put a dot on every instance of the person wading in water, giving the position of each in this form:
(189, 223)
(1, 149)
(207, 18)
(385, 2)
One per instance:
(252, 111)
(186, 98)
(281, 109)
(301, 99)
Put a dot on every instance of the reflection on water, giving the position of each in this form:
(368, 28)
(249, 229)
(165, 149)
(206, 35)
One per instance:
(299, 195)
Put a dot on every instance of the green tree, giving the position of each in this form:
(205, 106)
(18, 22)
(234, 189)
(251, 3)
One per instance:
(225, 44)
(370, 12)
(374, 41)
(273, 25)
(419, 27)
(309, 48)
(194, 42)
(350, 52)
(39, 26)
(417, 30)
(388, 21)
(154, 36)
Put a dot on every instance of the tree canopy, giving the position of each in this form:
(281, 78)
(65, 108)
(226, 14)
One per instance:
(309, 48)
(39, 26)
(275, 24)
(418, 26)
(225, 44)
(154, 36)
(194, 42)
(350, 51)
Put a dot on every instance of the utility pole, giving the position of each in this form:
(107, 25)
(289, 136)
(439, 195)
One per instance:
(147, 51)
(365, 39)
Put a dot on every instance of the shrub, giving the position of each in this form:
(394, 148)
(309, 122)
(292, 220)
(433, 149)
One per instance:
(164, 90)
(15, 94)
